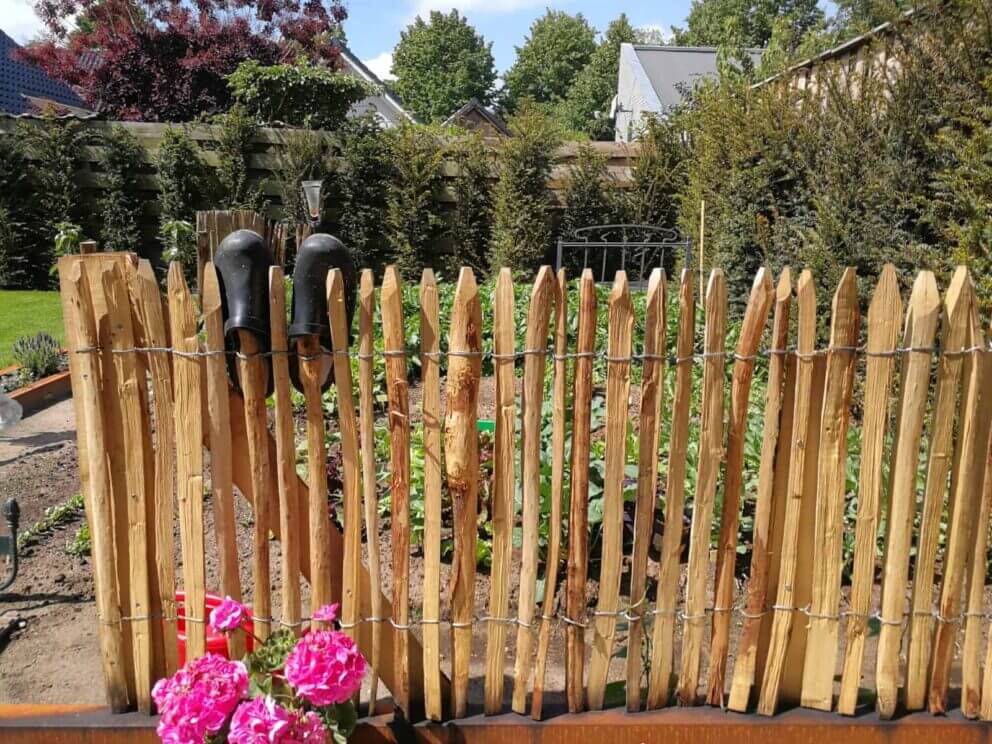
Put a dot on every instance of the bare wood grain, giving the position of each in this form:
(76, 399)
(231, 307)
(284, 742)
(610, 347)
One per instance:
(971, 663)
(884, 321)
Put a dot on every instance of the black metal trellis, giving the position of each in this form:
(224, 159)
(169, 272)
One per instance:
(641, 248)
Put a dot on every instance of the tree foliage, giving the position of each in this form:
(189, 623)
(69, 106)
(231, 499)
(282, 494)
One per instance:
(297, 94)
(158, 60)
(743, 23)
(234, 145)
(522, 229)
(441, 64)
(120, 204)
(471, 223)
(558, 46)
(586, 107)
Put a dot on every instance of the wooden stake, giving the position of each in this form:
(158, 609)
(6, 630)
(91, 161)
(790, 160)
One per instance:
(430, 366)
(828, 558)
(921, 326)
(337, 313)
(221, 469)
(578, 517)
(884, 320)
(145, 288)
(755, 318)
(966, 497)
(188, 384)
(652, 394)
(955, 320)
(285, 436)
(971, 665)
(81, 334)
(311, 373)
(366, 317)
(621, 325)
(782, 620)
(538, 321)
(461, 453)
(662, 653)
(710, 456)
(399, 464)
(747, 645)
(559, 413)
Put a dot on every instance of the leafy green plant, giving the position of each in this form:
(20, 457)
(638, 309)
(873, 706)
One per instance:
(68, 236)
(54, 517)
(81, 544)
(183, 180)
(305, 157)
(298, 94)
(471, 225)
(120, 204)
(38, 355)
(235, 136)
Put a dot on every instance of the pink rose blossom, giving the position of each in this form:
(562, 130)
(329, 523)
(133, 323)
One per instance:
(259, 721)
(228, 616)
(328, 613)
(307, 728)
(198, 699)
(325, 667)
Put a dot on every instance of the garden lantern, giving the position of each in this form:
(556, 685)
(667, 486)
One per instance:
(311, 193)
(8, 543)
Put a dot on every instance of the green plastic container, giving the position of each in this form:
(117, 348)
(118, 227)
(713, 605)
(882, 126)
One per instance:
(487, 425)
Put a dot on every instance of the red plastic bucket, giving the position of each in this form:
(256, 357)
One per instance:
(216, 642)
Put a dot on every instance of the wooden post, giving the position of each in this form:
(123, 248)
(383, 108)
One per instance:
(747, 645)
(430, 365)
(955, 321)
(559, 402)
(884, 319)
(621, 326)
(578, 517)
(187, 394)
(538, 320)
(782, 619)
(662, 649)
(461, 450)
(221, 469)
(921, 326)
(828, 558)
(285, 460)
(974, 615)
(81, 335)
(755, 318)
(337, 313)
(652, 393)
(504, 486)
(399, 464)
(366, 313)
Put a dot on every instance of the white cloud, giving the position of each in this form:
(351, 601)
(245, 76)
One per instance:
(494, 7)
(19, 21)
(380, 65)
(654, 33)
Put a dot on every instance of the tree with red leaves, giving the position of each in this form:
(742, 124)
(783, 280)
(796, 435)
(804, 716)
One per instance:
(162, 60)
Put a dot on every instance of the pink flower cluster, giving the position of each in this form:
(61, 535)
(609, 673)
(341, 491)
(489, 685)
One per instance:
(228, 616)
(264, 721)
(325, 667)
(197, 700)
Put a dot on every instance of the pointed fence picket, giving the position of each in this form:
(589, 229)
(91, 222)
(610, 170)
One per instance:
(158, 393)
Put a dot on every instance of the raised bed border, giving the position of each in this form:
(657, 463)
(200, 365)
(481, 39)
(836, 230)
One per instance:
(61, 724)
(41, 393)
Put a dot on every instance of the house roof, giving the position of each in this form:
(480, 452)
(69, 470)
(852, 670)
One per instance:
(361, 70)
(670, 69)
(24, 86)
(475, 104)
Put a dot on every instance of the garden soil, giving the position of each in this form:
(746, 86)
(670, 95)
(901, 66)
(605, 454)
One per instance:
(55, 657)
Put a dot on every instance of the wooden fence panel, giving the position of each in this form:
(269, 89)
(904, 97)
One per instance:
(884, 320)
(532, 403)
(662, 654)
(921, 327)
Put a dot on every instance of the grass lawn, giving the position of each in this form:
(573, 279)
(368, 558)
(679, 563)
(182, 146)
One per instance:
(24, 313)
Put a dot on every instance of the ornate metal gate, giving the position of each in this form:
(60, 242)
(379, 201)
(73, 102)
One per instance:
(636, 249)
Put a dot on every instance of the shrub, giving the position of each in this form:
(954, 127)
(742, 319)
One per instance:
(15, 261)
(304, 157)
(19, 267)
(300, 94)
(589, 197)
(38, 355)
(120, 205)
(361, 184)
(234, 144)
(182, 177)
(413, 220)
(471, 224)
(522, 229)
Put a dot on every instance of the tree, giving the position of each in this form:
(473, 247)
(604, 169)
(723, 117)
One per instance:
(441, 64)
(857, 16)
(586, 107)
(159, 60)
(743, 23)
(558, 47)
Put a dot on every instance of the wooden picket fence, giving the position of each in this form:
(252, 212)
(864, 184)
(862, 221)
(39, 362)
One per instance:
(152, 393)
